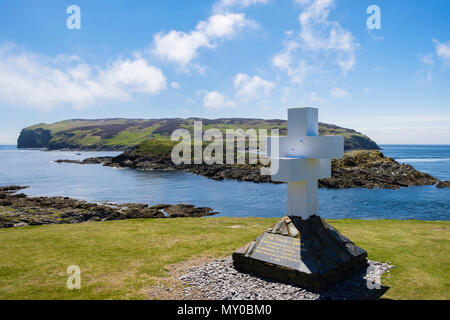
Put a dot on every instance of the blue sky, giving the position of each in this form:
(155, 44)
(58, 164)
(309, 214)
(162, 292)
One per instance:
(229, 58)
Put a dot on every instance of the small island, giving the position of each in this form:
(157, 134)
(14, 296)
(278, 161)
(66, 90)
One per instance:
(147, 146)
(358, 169)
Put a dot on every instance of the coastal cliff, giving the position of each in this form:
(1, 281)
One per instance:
(124, 134)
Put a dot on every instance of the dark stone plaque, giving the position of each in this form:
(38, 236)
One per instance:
(308, 253)
(279, 250)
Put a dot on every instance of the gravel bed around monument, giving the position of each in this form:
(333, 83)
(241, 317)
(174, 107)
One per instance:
(219, 280)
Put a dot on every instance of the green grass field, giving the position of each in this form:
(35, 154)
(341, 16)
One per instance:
(123, 259)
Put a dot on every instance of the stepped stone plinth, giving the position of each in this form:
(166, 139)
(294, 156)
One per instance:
(308, 253)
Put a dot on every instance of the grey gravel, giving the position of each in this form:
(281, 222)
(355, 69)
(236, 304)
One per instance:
(219, 280)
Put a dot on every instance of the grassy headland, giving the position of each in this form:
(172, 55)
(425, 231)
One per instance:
(121, 134)
(125, 259)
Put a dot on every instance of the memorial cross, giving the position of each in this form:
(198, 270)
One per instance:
(304, 157)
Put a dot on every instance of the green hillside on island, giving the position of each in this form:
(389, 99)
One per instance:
(121, 134)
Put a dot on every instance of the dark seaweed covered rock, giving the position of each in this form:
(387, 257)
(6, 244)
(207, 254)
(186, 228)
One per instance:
(358, 169)
(443, 184)
(17, 210)
(372, 170)
(184, 210)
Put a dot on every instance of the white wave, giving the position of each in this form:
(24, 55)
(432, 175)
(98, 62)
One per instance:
(423, 160)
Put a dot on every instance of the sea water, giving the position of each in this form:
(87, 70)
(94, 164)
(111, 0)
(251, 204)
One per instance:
(95, 183)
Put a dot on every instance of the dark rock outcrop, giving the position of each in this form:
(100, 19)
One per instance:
(98, 160)
(358, 169)
(443, 184)
(19, 210)
(34, 138)
(307, 253)
(372, 170)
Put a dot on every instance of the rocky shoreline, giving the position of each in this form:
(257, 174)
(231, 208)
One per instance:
(358, 169)
(443, 184)
(18, 210)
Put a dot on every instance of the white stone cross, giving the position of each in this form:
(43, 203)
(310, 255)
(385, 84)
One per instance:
(304, 158)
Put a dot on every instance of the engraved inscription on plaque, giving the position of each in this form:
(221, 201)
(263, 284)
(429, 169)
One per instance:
(279, 250)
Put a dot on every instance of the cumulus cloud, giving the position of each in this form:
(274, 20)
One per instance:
(443, 51)
(317, 40)
(428, 61)
(425, 74)
(175, 85)
(319, 33)
(44, 82)
(216, 100)
(247, 86)
(296, 69)
(339, 93)
(315, 99)
(181, 48)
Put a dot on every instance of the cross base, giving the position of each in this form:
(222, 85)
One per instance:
(302, 199)
(307, 253)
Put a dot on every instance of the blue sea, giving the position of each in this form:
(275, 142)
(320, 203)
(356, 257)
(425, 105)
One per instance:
(95, 183)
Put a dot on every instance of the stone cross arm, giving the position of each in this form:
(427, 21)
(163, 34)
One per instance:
(307, 147)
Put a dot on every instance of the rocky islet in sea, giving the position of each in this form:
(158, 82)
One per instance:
(358, 169)
(18, 210)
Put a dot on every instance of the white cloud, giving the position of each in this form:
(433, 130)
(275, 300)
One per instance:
(225, 25)
(181, 48)
(44, 82)
(318, 33)
(443, 51)
(295, 69)
(247, 86)
(175, 85)
(425, 73)
(317, 40)
(314, 98)
(339, 93)
(426, 59)
(216, 100)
